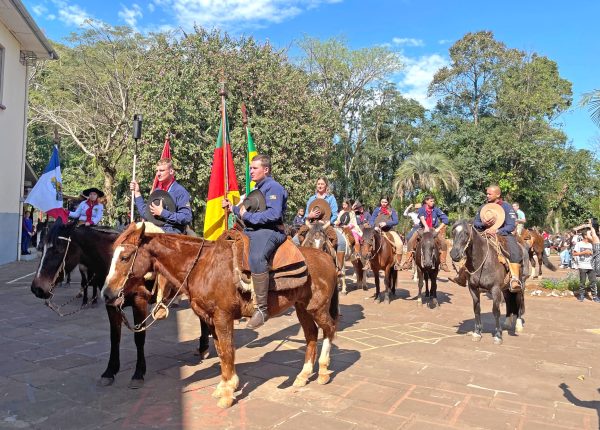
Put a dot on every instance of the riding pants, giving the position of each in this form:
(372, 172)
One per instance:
(412, 232)
(515, 253)
(263, 244)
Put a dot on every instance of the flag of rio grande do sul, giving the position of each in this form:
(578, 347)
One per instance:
(214, 221)
(47, 195)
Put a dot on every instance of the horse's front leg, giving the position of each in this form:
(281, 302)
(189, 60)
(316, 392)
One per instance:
(377, 291)
(84, 285)
(203, 344)
(115, 319)
(497, 299)
(521, 311)
(420, 281)
(433, 292)
(311, 333)
(229, 379)
(140, 312)
(387, 282)
(361, 278)
(475, 295)
(340, 264)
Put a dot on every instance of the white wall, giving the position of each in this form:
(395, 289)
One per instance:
(11, 144)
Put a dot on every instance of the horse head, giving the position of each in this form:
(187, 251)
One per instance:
(428, 254)
(316, 237)
(369, 246)
(59, 256)
(461, 236)
(130, 260)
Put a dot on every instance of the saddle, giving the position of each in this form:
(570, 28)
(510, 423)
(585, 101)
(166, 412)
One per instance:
(288, 267)
(394, 239)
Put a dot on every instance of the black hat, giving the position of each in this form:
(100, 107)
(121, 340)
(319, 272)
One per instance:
(156, 197)
(86, 193)
(255, 201)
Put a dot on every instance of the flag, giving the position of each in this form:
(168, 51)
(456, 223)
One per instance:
(251, 153)
(214, 220)
(47, 195)
(166, 153)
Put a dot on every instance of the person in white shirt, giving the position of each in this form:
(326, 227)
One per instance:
(583, 253)
(90, 211)
(414, 216)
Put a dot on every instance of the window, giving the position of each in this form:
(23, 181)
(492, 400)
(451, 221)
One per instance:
(2, 107)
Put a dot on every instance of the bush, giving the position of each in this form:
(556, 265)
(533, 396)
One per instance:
(569, 283)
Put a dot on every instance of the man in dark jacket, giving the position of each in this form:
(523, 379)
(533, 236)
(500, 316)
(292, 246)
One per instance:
(515, 253)
(265, 230)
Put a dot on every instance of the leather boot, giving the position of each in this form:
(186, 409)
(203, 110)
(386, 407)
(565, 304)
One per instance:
(408, 263)
(261, 294)
(443, 258)
(515, 279)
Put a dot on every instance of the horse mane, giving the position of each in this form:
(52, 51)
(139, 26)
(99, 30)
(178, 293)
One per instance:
(59, 229)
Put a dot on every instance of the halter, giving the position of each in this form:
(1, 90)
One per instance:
(463, 261)
(142, 325)
(374, 243)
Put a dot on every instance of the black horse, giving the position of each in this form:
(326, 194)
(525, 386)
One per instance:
(67, 245)
(486, 273)
(427, 260)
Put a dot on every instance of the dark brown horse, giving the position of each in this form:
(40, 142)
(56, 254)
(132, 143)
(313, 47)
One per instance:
(317, 238)
(427, 260)
(485, 273)
(205, 270)
(536, 252)
(92, 247)
(378, 253)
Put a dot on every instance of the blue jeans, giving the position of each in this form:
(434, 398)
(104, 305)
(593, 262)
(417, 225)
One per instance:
(263, 244)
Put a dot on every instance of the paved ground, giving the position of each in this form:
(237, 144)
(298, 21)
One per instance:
(397, 366)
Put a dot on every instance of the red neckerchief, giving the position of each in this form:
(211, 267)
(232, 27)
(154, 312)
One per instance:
(383, 210)
(162, 185)
(500, 201)
(429, 216)
(88, 213)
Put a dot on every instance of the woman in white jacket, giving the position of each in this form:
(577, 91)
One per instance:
(90, 211)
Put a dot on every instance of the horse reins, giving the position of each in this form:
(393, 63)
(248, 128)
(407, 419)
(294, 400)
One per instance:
(465, 254)
(142, 325)
(61, 268)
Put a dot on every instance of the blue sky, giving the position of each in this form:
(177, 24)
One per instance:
(421, 30)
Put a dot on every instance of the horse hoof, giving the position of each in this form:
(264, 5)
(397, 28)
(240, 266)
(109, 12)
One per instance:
(225, 402)
(323, 379)
(519, 326)
(135, 384)
(419, 301)
(217, 394)
(433, 304)
(476, 337)
(105, 382)
(300, 382)
(365, 288)
(344, 292)
(497, 340)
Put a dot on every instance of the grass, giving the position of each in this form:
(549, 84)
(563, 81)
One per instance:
(569, 283)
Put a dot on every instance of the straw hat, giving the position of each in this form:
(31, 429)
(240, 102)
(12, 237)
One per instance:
(323, 206)
(492, 212)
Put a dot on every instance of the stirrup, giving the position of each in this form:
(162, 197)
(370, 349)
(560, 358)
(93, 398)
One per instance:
(513, 289)
(257, 324)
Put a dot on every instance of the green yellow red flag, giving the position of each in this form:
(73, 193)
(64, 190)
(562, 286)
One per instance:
(214, 221)
(251, 153)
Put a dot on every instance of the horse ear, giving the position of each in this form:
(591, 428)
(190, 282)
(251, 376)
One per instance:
(142, 230)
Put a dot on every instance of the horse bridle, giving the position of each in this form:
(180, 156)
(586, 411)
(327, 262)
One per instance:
(463, 261)
(373, 254)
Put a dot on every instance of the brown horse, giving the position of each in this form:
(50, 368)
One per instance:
(205, 270)
(485, 273)
(427, 260)
(318, 239)
(536, 252)
(377, 252)
(65, 246)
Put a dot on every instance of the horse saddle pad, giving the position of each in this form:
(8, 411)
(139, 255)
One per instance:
(288, 267)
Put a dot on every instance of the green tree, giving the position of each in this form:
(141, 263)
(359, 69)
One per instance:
(425, 171)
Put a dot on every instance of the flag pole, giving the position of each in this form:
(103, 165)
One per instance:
(245, 122)
(224, 142)
(137, 133)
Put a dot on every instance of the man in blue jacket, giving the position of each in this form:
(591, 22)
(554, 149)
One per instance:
(385, 218)
(175, 222)
(431, 217)
(515, 253)
(265, 230)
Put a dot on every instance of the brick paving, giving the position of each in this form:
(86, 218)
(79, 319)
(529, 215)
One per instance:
(397, 366)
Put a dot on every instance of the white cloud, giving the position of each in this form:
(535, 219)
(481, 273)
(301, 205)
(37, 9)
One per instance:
(151, 7)
(407, 41)
(130, 16)
(418, 74)
(244, 13)
(39, 9)
(71, 14)
(444, 41)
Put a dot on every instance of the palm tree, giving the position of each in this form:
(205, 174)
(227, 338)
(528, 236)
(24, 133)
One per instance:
(429, 171)
(592, 100)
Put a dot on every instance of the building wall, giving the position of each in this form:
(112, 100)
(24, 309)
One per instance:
(12, 145)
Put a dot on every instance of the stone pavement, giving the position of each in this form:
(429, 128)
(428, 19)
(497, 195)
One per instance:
(397, 366)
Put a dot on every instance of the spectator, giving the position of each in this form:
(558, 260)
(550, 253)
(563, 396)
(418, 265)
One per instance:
(583, 253)
(26, 233)
(299, 218)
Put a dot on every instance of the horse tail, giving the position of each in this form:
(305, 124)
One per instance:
(334, 306)
(547, 262)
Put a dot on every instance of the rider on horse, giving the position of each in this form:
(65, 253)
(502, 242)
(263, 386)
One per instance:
(347, 218)
(385, 219)
(265, 231)
(89, 211)
(515, 253)
(430, 217)
(316, 215)
(178, 215)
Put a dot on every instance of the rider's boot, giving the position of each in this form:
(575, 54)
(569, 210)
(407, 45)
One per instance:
(515, 277)
(443, 258)
(261, 295)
